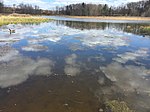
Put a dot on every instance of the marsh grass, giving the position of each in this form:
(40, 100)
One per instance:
(128, 18)
(11, 19)
(116, 106)
(145, 29)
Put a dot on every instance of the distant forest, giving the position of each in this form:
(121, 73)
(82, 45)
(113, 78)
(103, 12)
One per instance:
(141, 8)
(23, 9)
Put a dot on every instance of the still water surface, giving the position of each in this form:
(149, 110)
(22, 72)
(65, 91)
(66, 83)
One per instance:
(74, 66)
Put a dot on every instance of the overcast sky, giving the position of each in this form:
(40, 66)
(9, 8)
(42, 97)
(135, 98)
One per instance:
(51, 4)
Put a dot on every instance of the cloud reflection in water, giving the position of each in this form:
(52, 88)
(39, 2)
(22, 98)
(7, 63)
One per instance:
(132, 56)
(128, 77)
(72, 68)
(20, 68)
(35, 47)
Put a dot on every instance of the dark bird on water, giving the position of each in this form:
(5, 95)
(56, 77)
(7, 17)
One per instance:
(11, 31)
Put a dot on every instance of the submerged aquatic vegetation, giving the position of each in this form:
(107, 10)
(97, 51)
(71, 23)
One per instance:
(4, 20)
(116, 106)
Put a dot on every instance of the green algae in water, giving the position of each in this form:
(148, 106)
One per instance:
(116, 106)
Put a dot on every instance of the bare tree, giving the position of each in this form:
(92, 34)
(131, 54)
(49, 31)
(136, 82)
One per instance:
(1, 6)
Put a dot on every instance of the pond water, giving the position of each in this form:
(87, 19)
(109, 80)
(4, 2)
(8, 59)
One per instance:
(74, 66)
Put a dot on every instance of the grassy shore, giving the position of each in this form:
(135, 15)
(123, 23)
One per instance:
(113, 18)
(21, 19)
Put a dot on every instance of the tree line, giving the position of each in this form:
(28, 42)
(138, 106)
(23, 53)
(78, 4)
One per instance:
(23, 9)
(141, 8)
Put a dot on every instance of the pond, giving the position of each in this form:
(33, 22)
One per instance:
(74, 66)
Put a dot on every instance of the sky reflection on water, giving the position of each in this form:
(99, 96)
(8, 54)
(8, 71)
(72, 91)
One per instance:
(58, 48)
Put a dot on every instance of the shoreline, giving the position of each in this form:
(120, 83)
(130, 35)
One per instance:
(127, 18)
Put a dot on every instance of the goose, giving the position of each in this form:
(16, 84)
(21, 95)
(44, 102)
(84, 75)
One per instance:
(11, 31)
